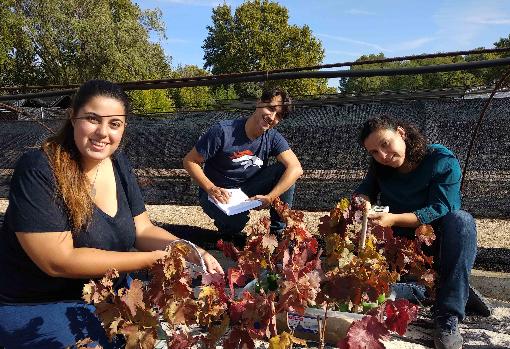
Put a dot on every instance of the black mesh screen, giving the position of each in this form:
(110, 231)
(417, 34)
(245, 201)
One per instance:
(324, 138)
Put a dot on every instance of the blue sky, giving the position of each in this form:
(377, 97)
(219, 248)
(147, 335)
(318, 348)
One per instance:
(348, 29)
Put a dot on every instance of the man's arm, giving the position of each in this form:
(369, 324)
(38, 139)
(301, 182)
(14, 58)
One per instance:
(192, 163)
(292, 172)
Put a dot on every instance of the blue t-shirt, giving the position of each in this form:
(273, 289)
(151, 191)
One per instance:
(431, 190)
(231, 158)
(35, 207)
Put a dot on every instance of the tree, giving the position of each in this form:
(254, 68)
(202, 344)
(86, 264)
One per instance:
(15, 47)
(453, 79)
(259, 37)
(359, 85)
(492, 75)
(71, 41)
(200, 97)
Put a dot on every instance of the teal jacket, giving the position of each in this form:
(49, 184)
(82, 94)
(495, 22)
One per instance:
(430, 191)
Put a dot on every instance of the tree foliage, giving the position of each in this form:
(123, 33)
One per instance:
(200, 97)
(410, 82)
(464, 78)
(258, 37)
(69, 42)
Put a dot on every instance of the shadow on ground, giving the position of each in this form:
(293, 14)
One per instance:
(493, 259)
(205, 238)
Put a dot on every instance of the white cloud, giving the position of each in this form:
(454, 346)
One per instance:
(357, 12)
(488, 20)
(353, 41)
(460, 23)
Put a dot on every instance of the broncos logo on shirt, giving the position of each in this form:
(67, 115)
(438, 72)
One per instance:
(246, 159)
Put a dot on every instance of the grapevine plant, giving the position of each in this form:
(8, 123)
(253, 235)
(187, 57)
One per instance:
(278, 276)
(358, 275)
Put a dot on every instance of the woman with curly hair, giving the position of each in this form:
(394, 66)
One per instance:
(420, 183)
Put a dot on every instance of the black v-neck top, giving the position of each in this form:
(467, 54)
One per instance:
(34, 206)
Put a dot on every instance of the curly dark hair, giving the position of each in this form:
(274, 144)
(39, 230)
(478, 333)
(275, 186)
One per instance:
(416, 143)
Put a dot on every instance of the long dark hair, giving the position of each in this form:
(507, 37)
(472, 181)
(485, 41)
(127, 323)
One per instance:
(65, 158)
(416, 143)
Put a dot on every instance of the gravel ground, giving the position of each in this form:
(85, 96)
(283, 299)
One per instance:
(492, 233)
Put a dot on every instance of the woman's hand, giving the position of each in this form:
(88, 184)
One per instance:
(383, 219)
(364, 202)
(211, 263)
(219, 194)
(157, 255)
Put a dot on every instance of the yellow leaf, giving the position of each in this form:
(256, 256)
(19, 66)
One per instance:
(284, 341)
(207, 291)
(263, 263)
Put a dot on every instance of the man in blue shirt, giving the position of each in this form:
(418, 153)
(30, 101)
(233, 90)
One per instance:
(235, 154)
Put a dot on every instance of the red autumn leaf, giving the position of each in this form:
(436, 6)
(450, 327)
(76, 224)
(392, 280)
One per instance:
(213, 279)
(382, 234)
(238, 338)
(238, 307)
(425, 233)
(228, 249)
(399, 314)
(364, 334)
(298, 294)
(236, 277)
(313, 245)
(133, 297)
(300, 234)
(181, 340)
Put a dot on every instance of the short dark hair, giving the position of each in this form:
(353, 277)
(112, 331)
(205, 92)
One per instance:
(416, 143)
(268, 95)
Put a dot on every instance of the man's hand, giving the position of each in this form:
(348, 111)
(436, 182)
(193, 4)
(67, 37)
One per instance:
(383, 219)
(266, 200)
(221, 195)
